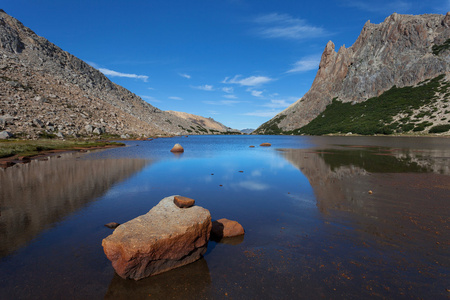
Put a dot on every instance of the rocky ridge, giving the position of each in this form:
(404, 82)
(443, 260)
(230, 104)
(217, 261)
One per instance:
(402, 51)
(46, 91)
(202, 122)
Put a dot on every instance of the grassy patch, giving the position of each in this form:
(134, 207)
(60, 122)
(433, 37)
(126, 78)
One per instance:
(374, 116)
(30, 148)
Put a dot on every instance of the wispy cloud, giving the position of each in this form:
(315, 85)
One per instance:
(230, 96)
(286, 27)
(205, 87)
(381, 6)
(230, 89)
(256, 93)
(305, 64)
(175, 98)
(222, 102)
(185, 75)
(249, 81)
(149, 98)
(273, 104)
(112, 73)
(262, 113)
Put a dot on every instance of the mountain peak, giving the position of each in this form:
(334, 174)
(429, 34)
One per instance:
(397, 52)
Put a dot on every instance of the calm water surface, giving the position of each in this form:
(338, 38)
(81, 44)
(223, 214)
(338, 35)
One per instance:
(325, 217)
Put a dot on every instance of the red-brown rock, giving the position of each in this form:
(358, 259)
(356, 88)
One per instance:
(165, 238)
(183, 202)
(226, 228)
(266, 145)
(177, 148)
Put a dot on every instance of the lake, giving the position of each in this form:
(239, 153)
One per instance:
(324, 217)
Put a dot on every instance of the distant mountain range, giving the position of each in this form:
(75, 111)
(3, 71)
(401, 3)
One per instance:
(247, 130)
(394, 79)
(45, 91)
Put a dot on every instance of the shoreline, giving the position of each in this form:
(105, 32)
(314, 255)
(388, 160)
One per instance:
(20, 158)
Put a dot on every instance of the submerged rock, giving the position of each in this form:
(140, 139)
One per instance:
(224, 228)
(165, 238)
(177, 148)
(112, 225)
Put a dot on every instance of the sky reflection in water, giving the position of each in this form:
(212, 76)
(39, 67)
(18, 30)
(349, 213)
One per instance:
(312, 229)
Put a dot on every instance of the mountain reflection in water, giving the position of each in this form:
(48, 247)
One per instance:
(36, 195)
(394, 198)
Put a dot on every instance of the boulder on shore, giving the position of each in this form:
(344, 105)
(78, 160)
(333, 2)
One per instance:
(165, 238)
(177, 148)
(5, 135)
(224, 228)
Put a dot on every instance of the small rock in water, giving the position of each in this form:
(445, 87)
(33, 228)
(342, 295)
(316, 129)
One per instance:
(183, 202)
(112, 225)
(177, 148)
(226, 228)
(266, 145)
(252, 146)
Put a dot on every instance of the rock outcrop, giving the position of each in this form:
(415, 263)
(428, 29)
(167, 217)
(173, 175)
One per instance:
(400, 52)
(165, 238)
(40, 81)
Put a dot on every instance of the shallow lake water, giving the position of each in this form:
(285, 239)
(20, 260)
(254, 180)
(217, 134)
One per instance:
(324, 217)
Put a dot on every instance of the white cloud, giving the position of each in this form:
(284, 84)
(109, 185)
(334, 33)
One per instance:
(175, 98)
(205, 87)
(256, 93)
(277, 104)
(230, 89)
(222, 102)
(185, 75)
(284, 26)
(381, 6)
(230, 96)
(262, 113)
(307, 63)
(149, 98)
(119, 74)
(249, 81)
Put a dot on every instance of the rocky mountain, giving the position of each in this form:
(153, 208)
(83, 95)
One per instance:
(212, 125)
(46, 91)
(247, 130)
(385, 65)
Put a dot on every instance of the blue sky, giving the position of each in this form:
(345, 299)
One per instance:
(237, 61)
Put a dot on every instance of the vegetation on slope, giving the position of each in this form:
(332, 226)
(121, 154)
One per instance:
(271, 127)
(439, 48)
(376, 115)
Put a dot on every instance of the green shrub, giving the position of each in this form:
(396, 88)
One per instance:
(439, 48)
(372, 116)
(439, 128)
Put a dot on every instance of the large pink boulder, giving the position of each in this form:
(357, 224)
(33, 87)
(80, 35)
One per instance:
(165, 238)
